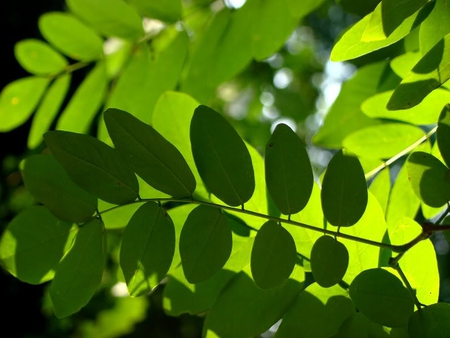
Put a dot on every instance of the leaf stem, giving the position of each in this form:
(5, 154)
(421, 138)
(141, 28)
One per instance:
(408, 286)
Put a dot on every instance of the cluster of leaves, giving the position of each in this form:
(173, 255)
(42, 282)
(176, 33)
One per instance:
(235, 232)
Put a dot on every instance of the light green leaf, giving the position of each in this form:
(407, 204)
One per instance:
(147, 249)
(403, 63)
(382, 141)
(273, 255)
(244, 310)
(289, 175)
(318, 312)
(426, 112)
(117, 217)
(18, 100)
(71, 36)
(33, 243)
(94, 166)
(205, 243)
(49, 184)
(381, 297)
(431, 321)
(381, 188)
(48, 109)
(435, 26)
(344, 190)
(79, 273)
(443, 134)
(394, 12)
(221, 157)
(39, 58)
(168, 10)
(85, 102)
(109, 17)
(150, 155)
(329, 261)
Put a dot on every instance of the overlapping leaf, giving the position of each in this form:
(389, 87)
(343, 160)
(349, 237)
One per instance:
(435, 26)
(443, 134)
(380, 187)
(431, 321)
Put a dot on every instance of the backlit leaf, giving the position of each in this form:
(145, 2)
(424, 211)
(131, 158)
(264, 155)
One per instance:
(403, 63)
(94, 166)
(435, 26)
(381, 188)
(117, 217)
(79, 273)
(289, 176)
(431, 321)
(168, 10)
(221, 157)
(443, 134)
(147, 250)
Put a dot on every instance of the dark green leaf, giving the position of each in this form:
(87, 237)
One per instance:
(150, 155)
(49, 184)
(205, 243)
(19, 99)
(382, 298)
(431, 322)
(289, 175)
(33, 244)
(430, 179)
(443, 134)
(358, 325)
(110, 17)
(168, 10)
(329, 261)
(394, 12)
(39, 58)
(221, 156)
(94, 166)
(79, 273)
(435, 26)
(344, 190)
(71, 36)
(273, 255)
(147, 250)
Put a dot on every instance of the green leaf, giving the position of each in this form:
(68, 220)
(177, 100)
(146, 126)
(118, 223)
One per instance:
(39, 58)
(109, 17)
(273, 255)
(150, 155)
(435, 26)
(329, 261)
(94, 166)
(431, 321)
(244, 310)
(430, 179)
(289, 175)
(382, 141)
(49, 184)
(85, 102)
(381, 188)
(48, 109)
(205, 243)
(79, 273)
(33, 243)
(147, 250)
(322, 311)
(359, 325)
(221, 157)
(430, 72)
(403, 63)
(426, 112)
(169, 10)
(18, 100)
(71, 36)
(344, 190)
(117, 218)
(395, 12)
(443, 134)
(382, 298)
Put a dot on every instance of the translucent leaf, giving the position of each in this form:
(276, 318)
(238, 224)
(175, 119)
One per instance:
(109, 17)
(382, 141)
(205, 243)
(429, 178)
(329, 261)
(85, 102)
(94, 166)
(18, 100)
(117, 218)
(381, 188)
(430, 72)
(289, 175)
(381, 297)
(33, 243)
(244, 310)
(426, 112)
(403, 63)
(321, 310)
(435, 26)
(443, 134)
(431, 321)
(344, 190)
(48, 109)
(39, 58)
(221, 157)
(49, 184)
(79, 273)
(147, 249)
(71, 36)
(169, 10)
(273, 255)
